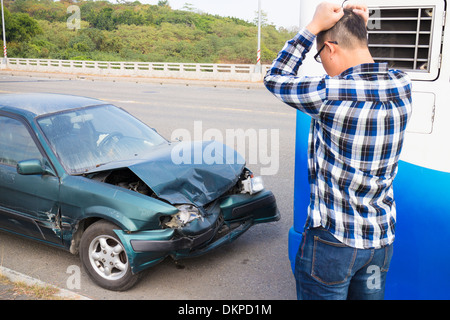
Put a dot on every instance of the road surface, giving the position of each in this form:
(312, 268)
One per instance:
(254, 267)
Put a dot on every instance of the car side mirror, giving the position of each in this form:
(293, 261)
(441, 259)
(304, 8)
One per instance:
(33, 167)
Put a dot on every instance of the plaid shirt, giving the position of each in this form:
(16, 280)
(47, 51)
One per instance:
(356, 136)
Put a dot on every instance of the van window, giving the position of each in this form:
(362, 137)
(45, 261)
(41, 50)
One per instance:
(402, 37)
(408, 36)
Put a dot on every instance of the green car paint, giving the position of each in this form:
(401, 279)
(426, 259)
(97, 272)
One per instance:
(47, 199)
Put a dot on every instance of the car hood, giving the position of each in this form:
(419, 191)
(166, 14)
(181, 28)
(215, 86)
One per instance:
(187, 172)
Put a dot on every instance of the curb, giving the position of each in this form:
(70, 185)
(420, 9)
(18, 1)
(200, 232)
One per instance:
(15, 276)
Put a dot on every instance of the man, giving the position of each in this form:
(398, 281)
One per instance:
(359, 114)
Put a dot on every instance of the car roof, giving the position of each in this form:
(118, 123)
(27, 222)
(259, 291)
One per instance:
(32, 105)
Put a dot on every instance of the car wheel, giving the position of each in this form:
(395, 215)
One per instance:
(105, 259)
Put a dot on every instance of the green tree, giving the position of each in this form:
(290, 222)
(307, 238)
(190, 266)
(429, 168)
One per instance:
(82, 43)
(103, 20)
(19, 27)
(131, 31)
(163, 3)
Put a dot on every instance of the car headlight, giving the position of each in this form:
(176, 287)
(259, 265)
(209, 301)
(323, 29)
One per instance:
(186, 213)
(252, 185)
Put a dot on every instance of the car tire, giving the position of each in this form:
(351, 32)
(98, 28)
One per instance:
(104, 257)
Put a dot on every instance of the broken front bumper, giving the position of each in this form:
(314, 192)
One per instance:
(234, 215)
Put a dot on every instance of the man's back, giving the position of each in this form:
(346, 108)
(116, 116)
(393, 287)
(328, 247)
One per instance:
(359, 112)
(357, 131)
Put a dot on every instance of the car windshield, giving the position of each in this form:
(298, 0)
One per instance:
(84, 139)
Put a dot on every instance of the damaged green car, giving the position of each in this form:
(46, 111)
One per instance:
(84, 175)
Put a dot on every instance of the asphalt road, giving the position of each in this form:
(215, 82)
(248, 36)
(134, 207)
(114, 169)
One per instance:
(254, 267)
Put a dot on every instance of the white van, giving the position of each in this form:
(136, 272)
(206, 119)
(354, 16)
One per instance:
(410, 35)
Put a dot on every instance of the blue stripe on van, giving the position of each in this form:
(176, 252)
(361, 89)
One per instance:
(420, 268)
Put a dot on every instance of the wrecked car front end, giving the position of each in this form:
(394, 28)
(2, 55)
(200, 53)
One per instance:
(224, 222)
(213, 203)
(100, 183)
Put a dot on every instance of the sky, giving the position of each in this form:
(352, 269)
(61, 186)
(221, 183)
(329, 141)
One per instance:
(282, 13)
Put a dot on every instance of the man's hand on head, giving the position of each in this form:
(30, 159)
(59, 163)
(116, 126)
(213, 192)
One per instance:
(326, 16)
(360, 9)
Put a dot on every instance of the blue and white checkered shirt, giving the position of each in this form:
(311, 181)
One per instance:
(356, 136)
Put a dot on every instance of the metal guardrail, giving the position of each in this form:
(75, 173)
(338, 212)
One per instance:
(196, 71)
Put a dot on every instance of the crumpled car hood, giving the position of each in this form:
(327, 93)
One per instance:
(192, 180)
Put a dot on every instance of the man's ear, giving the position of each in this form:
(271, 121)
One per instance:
(332, 47)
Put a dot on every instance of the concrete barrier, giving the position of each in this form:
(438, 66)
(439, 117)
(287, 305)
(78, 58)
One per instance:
(194, 71)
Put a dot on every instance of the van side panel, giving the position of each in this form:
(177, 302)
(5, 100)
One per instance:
(421, 261)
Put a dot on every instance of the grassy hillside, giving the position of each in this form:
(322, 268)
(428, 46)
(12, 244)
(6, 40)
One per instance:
(132, 31)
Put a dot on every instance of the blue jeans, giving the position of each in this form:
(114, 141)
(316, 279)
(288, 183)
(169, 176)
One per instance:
(325, 268)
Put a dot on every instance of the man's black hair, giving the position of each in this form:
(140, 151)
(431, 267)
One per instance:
(349, 32)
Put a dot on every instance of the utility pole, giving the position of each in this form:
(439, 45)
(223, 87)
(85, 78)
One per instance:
(258, 68)
(5, 55)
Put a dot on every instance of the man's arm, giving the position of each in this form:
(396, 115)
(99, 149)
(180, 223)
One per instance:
(304, 93)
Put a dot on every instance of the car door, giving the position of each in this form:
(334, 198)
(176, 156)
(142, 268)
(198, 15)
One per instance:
(28, 203)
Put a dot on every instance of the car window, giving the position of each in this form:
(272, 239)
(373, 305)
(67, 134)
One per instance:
(86, 138)
(16, 143)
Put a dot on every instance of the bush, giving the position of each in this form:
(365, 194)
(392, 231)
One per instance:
(136, 32)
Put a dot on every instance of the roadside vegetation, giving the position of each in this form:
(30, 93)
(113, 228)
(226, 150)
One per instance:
(21, 291)
(131, 31)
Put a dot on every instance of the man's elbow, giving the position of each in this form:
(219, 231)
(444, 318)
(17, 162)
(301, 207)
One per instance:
(268, 81)
(270, 78)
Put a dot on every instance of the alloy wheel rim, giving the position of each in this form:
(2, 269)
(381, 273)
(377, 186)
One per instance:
(108, 257)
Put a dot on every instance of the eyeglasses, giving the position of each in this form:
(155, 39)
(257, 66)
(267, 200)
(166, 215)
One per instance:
(317, 56)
